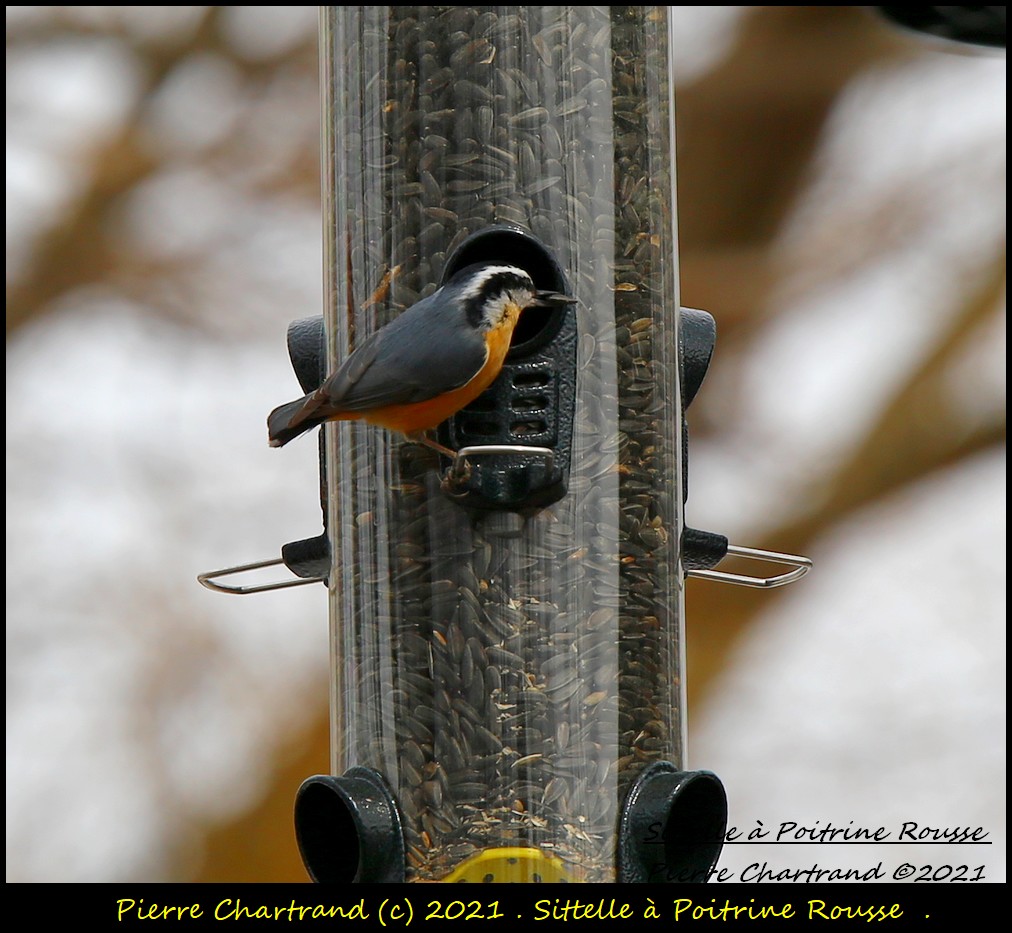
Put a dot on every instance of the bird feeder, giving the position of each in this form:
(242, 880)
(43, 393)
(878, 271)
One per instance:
(508, 695)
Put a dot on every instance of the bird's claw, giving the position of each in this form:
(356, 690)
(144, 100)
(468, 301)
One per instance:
(456, 479)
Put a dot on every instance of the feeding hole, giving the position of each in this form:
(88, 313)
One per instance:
(328, 834)
(530, 403)
(502, 243)
(694, 829)
(535, 380)
(525, 428)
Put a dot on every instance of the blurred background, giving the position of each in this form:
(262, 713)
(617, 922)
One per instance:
(842, 216)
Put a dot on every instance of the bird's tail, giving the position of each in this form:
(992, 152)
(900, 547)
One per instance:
(288, 421)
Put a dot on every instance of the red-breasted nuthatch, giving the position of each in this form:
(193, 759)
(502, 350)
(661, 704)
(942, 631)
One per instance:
(428, 363)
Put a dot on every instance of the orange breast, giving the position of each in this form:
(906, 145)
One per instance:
(421, 416)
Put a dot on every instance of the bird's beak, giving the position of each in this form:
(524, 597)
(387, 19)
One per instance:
(552, 300)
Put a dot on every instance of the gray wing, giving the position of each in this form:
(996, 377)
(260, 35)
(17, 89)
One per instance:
(427, 351)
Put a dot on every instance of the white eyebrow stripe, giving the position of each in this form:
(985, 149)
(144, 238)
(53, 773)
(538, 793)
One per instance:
(475, 287)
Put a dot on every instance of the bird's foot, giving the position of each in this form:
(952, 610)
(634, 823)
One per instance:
(433, 445)
(455, 482)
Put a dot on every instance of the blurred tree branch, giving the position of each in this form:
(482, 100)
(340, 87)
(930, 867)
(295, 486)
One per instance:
(917, 433)
(84, 248)
(80, 251)
(259, 846)
(747, 132)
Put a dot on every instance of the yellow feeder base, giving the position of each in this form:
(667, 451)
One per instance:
(510, 866)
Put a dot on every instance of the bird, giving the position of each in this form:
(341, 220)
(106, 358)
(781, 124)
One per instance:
(428, 363)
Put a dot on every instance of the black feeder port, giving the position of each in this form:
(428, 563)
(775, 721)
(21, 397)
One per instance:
(530, 405)
(672, 827)
(349, 830)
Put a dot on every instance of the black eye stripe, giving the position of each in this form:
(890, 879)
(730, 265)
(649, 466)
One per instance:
(485, 280)
(503, 281)
(500, 281)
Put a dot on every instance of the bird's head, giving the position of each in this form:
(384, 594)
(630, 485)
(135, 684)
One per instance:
(494, 294)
